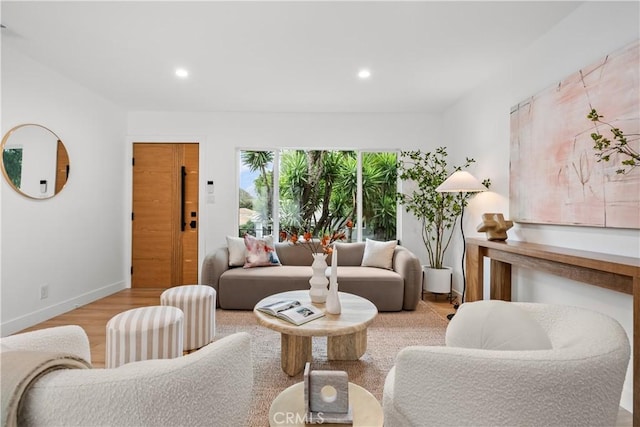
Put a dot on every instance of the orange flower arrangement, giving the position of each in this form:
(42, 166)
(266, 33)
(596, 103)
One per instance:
(321, 245)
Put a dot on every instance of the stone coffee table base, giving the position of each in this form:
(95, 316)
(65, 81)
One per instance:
(296, 350)
(346, 332)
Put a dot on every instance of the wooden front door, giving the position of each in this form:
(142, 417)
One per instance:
(165, 215)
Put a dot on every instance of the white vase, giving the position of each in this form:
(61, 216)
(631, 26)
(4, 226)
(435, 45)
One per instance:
(333, 300)
(319, 281)
(437, 280)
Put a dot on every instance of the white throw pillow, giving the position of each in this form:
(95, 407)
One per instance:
(379, 254)
(238, 250)
(495, 325)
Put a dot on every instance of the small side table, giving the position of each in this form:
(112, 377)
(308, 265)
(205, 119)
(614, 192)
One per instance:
(287, 409)
(198, 302)
(144, 333)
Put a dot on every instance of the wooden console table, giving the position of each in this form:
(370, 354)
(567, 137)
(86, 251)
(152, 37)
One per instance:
(617, 273)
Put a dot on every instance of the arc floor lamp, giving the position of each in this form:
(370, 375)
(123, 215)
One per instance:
(461, 182)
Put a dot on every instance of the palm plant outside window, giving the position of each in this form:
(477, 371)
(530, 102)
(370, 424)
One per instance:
(318, 191)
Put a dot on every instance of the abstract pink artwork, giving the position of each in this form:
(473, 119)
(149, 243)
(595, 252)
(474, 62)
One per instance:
(555, 177)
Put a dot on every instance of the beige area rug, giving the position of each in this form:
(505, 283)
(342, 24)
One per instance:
(388, 334)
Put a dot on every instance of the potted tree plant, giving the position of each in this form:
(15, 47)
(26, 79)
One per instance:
(438, 212)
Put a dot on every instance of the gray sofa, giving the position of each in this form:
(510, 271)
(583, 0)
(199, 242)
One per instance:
(241, 288)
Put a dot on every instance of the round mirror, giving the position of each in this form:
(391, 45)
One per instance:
(34, 161)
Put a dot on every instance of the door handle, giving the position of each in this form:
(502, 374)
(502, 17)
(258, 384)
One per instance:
(192, 224)
(183, 179)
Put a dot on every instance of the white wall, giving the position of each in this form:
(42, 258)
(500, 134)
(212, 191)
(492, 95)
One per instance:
(222, 134)
(74, 241)
(478, 126)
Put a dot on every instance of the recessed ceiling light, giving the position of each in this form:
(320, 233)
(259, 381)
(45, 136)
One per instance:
(182, 73)
(364, 73)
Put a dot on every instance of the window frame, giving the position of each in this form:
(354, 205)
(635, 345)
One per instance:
(276, 185)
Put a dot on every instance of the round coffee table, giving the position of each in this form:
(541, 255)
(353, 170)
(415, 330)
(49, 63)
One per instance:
(346, 332)
(287, 409)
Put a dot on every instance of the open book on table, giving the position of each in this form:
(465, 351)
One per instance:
(292, 311)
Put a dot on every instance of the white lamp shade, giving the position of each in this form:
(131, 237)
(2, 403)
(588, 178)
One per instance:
(461, 182)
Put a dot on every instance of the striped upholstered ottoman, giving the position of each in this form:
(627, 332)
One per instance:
(144, 333)
(198, 302)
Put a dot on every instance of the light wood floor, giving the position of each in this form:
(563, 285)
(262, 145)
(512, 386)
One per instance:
(93, 319)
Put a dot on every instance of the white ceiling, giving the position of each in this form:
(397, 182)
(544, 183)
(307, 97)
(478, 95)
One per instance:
(278, 56)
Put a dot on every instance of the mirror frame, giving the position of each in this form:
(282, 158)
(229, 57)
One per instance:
(5, 139)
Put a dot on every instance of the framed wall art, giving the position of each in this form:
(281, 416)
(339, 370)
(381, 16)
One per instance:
(555, 175)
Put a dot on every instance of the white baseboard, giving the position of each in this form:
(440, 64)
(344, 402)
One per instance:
(19, 323)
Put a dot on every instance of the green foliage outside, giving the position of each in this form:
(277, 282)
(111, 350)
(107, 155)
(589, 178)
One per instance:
(318, 190)
(379, 187)
(261, 161)
(246, 201)
(246, 228)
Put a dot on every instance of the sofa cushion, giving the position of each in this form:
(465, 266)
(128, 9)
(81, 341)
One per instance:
(384, 288)
(242, 288)
(237, 251)
(495, 325)
(291, 254)
(349, 253)
(259, 253)
(378, 254)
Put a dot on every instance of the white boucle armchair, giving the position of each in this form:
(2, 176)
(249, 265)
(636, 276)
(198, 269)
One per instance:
(577, 382)
(212, 386)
